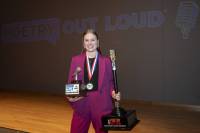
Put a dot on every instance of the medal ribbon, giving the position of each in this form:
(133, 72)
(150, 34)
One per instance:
(89, 69)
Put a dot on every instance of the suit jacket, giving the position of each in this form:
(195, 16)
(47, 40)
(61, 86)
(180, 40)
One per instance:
(99, 101)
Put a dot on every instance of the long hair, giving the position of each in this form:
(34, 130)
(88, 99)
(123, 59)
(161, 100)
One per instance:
(97, 36)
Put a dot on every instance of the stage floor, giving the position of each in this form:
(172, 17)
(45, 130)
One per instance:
(45, 113)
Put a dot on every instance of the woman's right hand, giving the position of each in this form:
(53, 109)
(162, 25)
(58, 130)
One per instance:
(74, 99)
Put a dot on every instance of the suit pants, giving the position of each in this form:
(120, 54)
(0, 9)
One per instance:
(81, 124)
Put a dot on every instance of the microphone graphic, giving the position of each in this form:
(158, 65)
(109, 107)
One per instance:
(186, 17)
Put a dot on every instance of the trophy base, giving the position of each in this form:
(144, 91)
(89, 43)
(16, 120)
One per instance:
(125, 121)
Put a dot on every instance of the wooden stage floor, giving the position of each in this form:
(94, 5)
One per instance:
(42, 113)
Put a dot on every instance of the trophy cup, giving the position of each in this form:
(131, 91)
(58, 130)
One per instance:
(119, 119)
(75, 88)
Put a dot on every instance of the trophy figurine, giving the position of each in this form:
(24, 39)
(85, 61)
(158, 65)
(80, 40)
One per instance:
(75, 88)
(119, 119)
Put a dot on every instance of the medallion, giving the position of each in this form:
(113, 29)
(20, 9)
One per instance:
(89, 86)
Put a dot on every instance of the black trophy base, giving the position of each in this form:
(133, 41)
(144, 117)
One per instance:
(125, 121)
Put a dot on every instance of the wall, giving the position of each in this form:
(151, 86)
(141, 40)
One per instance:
(157, 45)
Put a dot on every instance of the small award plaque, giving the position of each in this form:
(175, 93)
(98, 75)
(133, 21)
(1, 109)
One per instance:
(75, 89)
(72, 89)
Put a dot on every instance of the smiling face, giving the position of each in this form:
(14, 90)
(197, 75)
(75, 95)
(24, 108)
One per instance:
(90, 42)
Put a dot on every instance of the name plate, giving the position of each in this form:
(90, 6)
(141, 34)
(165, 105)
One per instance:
(72, 89)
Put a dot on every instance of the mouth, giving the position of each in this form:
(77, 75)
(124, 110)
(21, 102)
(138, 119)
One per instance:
(90, 47)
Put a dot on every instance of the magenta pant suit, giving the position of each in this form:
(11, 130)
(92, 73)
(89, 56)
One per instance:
(97, 103)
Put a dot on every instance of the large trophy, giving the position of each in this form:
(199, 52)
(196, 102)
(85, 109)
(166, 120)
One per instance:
(76, 88)
(119, 119)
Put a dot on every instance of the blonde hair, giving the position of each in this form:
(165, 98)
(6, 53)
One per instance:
(93, 32)
(90, 31)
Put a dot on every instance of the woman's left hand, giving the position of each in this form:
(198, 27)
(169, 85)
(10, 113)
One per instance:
(116, 96)
(74, 99)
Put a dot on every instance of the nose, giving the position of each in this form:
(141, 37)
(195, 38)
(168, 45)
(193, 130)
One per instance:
(89, 42)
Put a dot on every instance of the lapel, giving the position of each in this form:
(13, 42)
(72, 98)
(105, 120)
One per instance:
(101, 70)
(81, 61)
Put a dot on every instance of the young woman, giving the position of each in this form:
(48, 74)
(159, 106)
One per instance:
(95, 71)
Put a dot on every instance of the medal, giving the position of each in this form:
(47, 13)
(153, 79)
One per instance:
(90, 70)
(89, 86)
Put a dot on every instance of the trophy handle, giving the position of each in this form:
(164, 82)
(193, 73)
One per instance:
(114, 69)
